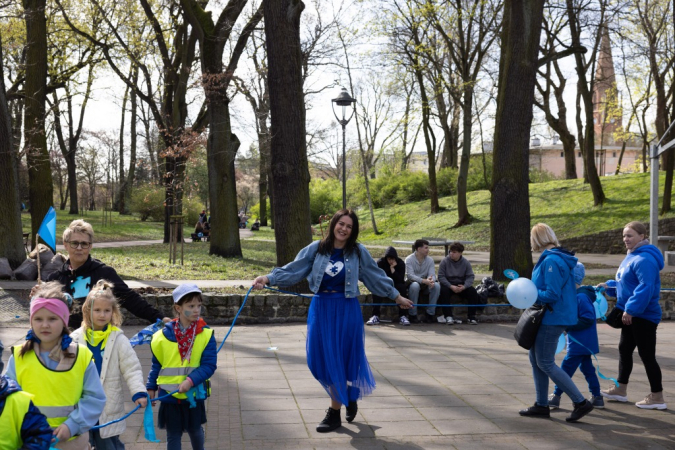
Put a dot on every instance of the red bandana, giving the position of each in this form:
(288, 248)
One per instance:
(186, 339)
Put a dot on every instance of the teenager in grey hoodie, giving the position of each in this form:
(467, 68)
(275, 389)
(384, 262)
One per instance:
(456, 277)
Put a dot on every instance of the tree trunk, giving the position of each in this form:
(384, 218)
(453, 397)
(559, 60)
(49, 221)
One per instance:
(264, 145)
(131, 173)
(431, 148)
(41, 190)
(510, 203)
(464, 217)
(11, 232)
(290, 169)
(221, 152)
(120, 198)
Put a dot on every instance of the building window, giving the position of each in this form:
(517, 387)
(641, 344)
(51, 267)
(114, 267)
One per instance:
(579, 155)
(613, 154)
(562, 154)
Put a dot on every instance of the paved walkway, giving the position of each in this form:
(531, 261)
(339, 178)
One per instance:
(438, 387)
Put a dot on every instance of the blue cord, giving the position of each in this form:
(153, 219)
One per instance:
(235, 318)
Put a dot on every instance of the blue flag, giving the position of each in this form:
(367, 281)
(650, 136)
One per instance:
(47, 230)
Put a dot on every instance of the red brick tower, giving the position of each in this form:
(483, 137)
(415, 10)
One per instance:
(607, 108)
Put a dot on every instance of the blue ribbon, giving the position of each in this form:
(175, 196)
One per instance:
(149, 424)
(597, 367)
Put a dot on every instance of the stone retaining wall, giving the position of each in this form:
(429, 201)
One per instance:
(220, 309)
(612, 241)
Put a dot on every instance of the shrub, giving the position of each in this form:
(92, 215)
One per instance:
(255, 211)
(191, 209)
(541, 176)
(148, 202)
(325, 197)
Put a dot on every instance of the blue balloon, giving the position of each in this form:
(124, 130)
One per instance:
(562, 343)
(600, 305)
(521, 293)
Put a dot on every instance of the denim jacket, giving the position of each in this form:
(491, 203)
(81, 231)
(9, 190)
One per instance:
(310, 264)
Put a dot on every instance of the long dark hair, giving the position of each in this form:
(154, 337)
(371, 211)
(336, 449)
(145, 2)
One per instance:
(326, 245)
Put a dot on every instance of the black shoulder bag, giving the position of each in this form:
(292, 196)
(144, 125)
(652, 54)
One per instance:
(528, 325)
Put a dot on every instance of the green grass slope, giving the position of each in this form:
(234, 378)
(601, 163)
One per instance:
(566, 205)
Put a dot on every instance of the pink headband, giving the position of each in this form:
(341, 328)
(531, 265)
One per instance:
(53, 305)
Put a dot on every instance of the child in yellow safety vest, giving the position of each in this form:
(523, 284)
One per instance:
(59, 373)
(23, 425)
(115, 362)
(184, 359)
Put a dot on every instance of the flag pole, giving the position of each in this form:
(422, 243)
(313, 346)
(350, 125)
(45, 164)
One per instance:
(37, 256)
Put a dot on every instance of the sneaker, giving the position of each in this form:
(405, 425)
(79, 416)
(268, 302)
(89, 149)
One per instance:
(441, 319)
(429, 318)
(554, 401)
(330, 422)
(597, 401)
(449, 320)
(413, 319)
(615, 393)
(458, 321)
(373, 321)
(404, 321)
(536, 411)
(472, 322)
(580, 410)
(352, 409)
(654, 400)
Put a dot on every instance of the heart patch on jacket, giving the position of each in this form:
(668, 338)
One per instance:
(334, 268)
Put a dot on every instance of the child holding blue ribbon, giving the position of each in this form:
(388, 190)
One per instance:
(57, 371)
(583, 343)
(115, 361)
(184, 359)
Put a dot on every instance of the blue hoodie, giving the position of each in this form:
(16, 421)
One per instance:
(555, 285)
(206, 369)
(638, 283)
(585, 331)
(36, 433)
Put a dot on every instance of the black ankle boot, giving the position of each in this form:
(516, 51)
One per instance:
(330, 422)
(352, 409)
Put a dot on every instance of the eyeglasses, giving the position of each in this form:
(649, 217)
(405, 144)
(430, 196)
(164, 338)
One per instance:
(76, 244)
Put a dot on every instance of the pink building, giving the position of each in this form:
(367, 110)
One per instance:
(551, 159)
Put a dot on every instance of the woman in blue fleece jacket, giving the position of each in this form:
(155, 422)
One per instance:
(555, 285)
(637, 295)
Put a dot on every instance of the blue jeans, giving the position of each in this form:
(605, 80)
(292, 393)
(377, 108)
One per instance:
(111, 443)
(542, 359)
(585, 363)
(414, 295)
(173, 439)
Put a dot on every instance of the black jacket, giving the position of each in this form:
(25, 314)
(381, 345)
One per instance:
(399, 271)
(79, 282)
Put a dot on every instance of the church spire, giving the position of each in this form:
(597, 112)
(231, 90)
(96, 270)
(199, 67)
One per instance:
(607, 108)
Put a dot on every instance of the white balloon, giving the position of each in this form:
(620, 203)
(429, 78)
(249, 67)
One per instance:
(521, 293)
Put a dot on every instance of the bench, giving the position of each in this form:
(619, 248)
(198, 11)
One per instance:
(438, 242)
(196, 238)
(663, 243)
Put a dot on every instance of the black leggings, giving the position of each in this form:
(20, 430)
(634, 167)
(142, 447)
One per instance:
(641, 334)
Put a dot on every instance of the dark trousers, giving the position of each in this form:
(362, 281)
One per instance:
(468, 296)
(378, 299)
(641, 334)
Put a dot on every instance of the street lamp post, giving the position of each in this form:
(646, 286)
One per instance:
(344, 100)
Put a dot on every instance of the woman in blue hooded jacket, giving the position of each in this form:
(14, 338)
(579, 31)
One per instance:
(638, 287)
(555, 285)
(335, 333)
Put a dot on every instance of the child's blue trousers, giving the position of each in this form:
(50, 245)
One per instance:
(585, 363)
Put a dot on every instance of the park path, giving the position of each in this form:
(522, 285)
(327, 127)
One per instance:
(438, 387)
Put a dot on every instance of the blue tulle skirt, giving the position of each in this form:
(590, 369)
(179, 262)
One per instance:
(336, 353)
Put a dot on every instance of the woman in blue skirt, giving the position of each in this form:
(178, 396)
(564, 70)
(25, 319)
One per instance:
(336, 353)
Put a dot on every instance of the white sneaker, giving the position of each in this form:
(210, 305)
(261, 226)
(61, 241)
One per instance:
(457, 321)
(449, 321)
(473, 322)
(373, 321)
(441, 319)
(404, 321)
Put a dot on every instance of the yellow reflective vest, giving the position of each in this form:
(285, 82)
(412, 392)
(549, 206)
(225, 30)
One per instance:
(173, 371)
(56, 393)
(11, 419)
